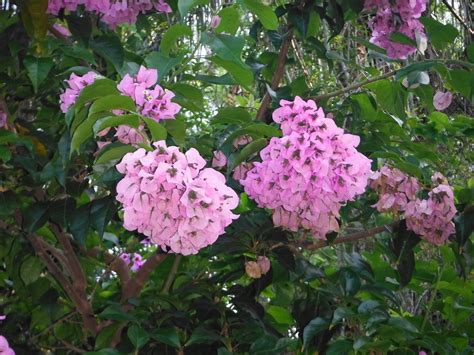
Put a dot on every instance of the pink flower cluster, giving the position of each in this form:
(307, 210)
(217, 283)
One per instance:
(432, 218)
(170, 198)
(308, 174)
(395, 189)
(396, 16)
(255, 269)
(75, 85)
(154, 103)
(3, 118)
(4, 346)
(133, 260)
(112, 12)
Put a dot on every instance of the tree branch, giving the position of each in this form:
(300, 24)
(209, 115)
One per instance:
(277, 75)
(459, 18)
(352, 237)
(352, 87)
(172, 274)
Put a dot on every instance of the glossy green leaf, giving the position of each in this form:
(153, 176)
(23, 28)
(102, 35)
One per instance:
(230, 20)
(38, 69)
(130, 120)
(158, 131)
(112, 102)
(99, 88)
(167, 336)
(31, 269)
(113, 152)
(110, 48)
(264, 13)
(314, 327)
(170, 37)
(439, 35)
(138, 336)
(249, 150)
(184, 6)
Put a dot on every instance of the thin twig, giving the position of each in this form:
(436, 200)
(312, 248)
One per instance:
(172, 274)
(277, 75)
(352, 237)
(459, 18)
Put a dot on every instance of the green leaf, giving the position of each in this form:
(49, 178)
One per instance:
(402, 247)
(280, 314)
(162, 63)
(130, 120)
(167, 336)
(203, 336)
(264, 13)
(402, 38)
(35, 216)
(440, 120)
(250, 149)
(101, 212)
(83, 132)
(110, 48)
(391, 96)
(34, 17)
(172, 35)
(339, 347)
(114, 312)
(255, 130)
(350, 281)
(158, 132)
(138, 336)
(239, 72)
(230, 20)
(31, 269)
(225, 46)
(79, 52)
(112, 102)
(439, 35)
(462, 81)
(99, 88)
(106, 335)
(113, 152)
(37, 69)
(314, 327)
(184, 6)
(232, 115)
(419, 66)
(188, 96)
(177, 129)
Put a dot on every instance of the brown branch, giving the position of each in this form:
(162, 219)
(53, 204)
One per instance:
(352, 87)
(459, 18)
(277, 75)
(352, 237)
(172, 274)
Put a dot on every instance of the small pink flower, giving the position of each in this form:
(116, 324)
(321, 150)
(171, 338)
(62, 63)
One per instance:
(422, 353)
(3, 317)
(219, 159)
(3, 119)
(253, 270)
(5, 347)
(264, 264)
(137, 262)
(215, 21)
(62, 30)
(442, 100)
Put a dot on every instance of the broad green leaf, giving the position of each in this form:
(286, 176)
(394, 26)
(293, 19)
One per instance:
(203, 336)
(402, 38)
(440, 120)
(188, 96)
(184, 6)
(238, 71)
(314, 327)
(232, 115)
(34, 17)
(83, 132)
(280, 314)
(264, 13)
(31, 269)
(462, 81)
(113, 152)
(339, 347)
(177, 129)
(171, 36)
(158, 132)
(37, 69)
(112, 102)
(106, 335)
(162, 63)
(439, 35)
(115, 312)
(250, 149)
(110, 48)
(130, 120)
(255, 130)
(79, 52)
(419, 66)
(35, 216)
(99, 88)
(230, 20)
(226, 47)
(167, 336)
(138, 336)
(101, 212)
(391, 96)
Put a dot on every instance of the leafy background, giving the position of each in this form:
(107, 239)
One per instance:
(388, 293)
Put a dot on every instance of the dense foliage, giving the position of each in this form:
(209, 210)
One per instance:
(249, 177)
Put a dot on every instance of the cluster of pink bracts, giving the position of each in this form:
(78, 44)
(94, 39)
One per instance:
(307, 175)
(169, 197)
(396, 16)
(5, 348)
(111, 12)
(430, 218)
